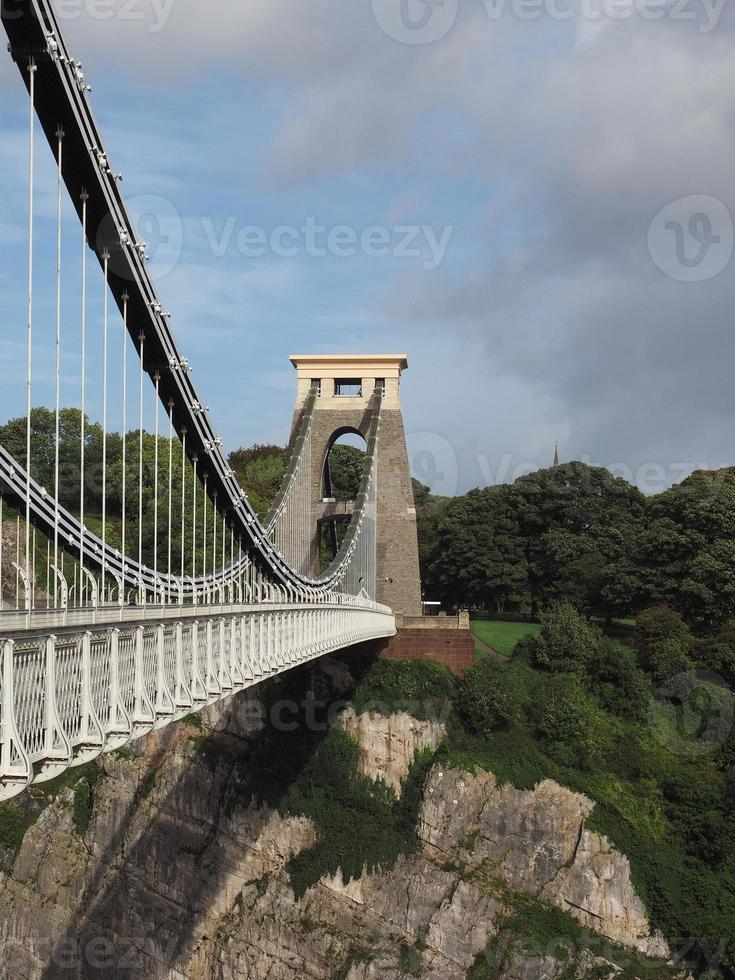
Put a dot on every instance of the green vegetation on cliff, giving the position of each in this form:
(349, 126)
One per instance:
(360, 822)
(580, 708)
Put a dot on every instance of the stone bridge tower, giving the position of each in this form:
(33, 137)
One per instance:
(346, 383)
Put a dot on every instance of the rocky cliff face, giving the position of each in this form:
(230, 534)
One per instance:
(178, 876)
(388, 745)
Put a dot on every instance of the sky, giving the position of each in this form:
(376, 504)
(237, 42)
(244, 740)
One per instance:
(531, 198)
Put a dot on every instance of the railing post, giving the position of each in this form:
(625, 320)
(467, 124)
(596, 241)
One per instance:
(281, 641)
(165, 706)
(212, 686)
(269, 643)
(224, 674)
(293, 633)
(15, 767)
(246, 670)
(182, 695)
(198, 687)
(91, 734)
(236, 641)
(120, 726)
(144, 716)
(57, 750)
(254, 649)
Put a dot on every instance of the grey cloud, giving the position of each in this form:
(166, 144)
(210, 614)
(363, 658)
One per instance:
(571, 140)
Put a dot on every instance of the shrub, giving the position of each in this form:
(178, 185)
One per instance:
(566, 643)
(492, 696)
(657, 624)
(666, 659)
(717, 656)
(84, 794)
(663, 641)
(83, 805)
(420, 687)
(13, 826)
(618, 684)
(359, 821)
(569, 721)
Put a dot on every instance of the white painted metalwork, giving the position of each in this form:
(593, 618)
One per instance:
(67, 696)
(97, 664)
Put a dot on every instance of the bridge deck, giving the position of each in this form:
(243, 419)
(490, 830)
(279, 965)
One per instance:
(71, 692)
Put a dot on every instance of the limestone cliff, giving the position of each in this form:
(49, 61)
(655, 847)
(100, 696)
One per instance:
(178, 875)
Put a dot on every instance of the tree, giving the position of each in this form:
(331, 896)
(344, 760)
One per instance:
(566, 643)
(617, 683)
(346, 464)
(663, 641)
(478, 555)
(687, 552)
(492, 696)
(260, 471)
(577, 521)
(568, 721)
(660, 623)
(429, 511)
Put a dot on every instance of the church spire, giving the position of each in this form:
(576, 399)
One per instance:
(556, 454)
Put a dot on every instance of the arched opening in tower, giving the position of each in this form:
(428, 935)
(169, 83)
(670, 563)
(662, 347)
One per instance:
(341, 475)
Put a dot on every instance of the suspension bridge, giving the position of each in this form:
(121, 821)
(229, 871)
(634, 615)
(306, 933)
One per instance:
(109, 632)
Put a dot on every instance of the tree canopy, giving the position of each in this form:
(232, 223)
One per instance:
(575, 533)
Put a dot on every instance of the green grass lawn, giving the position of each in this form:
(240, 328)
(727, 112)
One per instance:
(620, 630)
(502, 636)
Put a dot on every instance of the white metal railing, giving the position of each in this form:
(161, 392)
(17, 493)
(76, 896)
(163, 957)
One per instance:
(15, 621)
(66, 697)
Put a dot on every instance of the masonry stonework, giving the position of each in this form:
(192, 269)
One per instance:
(398, 576)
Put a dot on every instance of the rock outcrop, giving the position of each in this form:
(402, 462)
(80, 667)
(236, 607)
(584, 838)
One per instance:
(179, 876)
(536, 842)
(388, 744)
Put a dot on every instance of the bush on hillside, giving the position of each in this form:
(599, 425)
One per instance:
(717, 656)
(657, 624)
(569, 722)
(617, 683)
(664, 642)
(492, 696)
(566, 643)
(359, 821)
(420, 687)
(666, 660)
